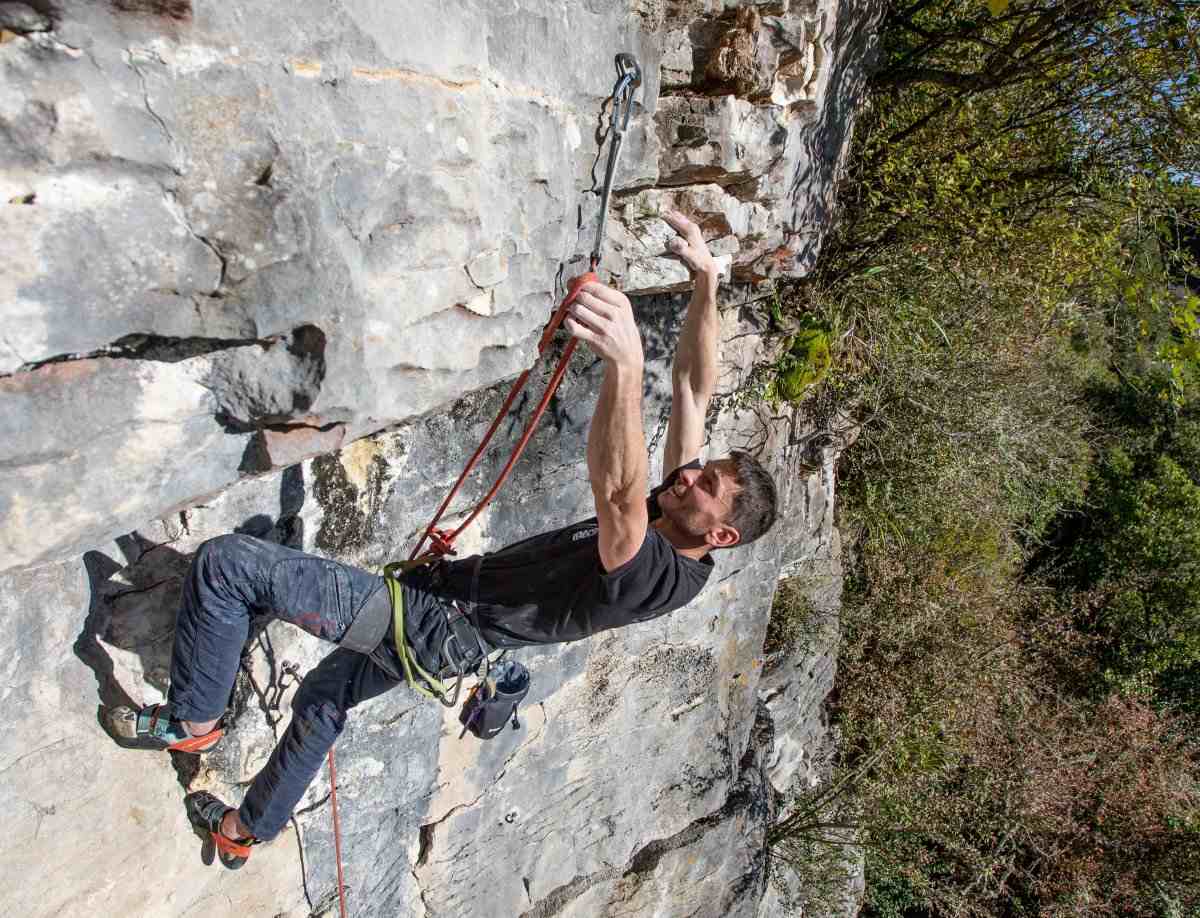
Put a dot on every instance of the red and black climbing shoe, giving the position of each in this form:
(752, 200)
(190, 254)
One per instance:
(153, 727)
(206, 812)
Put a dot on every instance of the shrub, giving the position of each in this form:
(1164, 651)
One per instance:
(1019, 627)
(793, 622)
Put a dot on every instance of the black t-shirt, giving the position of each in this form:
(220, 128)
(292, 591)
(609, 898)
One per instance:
(552, 587)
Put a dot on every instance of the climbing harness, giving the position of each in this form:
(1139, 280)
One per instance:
(493, 702)
(427, 684)
(464, 651)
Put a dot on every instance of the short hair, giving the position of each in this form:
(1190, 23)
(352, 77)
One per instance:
(755, 504)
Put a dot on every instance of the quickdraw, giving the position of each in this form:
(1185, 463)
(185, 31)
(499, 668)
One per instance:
(629, 78)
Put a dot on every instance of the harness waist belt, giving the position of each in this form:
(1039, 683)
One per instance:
(370, 625)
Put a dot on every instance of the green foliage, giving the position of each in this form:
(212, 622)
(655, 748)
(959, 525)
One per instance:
(1181, 351)
(891, 894)
(804, 362)
(978, 783)
(793, 622)
(1133, 550)
(823, 861)
(1011, 296)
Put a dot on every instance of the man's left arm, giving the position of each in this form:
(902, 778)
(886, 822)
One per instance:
(616, 449)
(694, 373)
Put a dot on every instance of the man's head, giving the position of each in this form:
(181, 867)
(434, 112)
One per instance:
(730, 501)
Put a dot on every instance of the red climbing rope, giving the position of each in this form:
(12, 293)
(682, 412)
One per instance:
(441, 542)
(629, 78)
(337, 834)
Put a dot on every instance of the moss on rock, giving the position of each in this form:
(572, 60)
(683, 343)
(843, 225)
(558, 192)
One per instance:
(805, 362)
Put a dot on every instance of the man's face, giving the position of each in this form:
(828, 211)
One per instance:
(701, 500)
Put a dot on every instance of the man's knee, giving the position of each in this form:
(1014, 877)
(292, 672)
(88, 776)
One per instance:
(222, 547)
(213, 554)
(314, 710)
(229, 559)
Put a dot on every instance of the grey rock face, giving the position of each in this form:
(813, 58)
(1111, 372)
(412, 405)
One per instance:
(266, 268)
(19, 17)
(641, 781)
(411, 183)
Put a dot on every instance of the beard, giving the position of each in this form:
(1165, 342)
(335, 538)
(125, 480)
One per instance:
(685, 520)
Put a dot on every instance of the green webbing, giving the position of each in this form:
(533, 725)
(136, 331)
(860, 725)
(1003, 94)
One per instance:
(397, 595)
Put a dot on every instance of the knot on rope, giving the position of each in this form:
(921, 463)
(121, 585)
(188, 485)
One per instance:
(441, 542)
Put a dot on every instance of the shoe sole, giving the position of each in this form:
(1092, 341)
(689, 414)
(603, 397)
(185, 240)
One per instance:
(231, 854)
(121, 723)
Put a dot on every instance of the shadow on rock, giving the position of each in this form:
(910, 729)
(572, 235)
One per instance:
(130, 625)
(129, 632)
(130, 629)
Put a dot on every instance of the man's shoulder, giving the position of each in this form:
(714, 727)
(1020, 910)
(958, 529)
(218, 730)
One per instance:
(663, 554)
(664, 580)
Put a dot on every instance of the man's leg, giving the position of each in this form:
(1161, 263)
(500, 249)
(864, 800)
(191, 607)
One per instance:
(233, 577)
(220, 592)
(327, 693)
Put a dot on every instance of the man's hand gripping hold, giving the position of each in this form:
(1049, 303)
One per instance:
(603, 318)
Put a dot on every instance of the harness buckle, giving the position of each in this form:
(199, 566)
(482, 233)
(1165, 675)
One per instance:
(463, 649)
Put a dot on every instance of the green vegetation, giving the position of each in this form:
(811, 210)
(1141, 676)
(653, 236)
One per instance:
(805, 361)
(791, 620)
(1011, 297)
(796, 625)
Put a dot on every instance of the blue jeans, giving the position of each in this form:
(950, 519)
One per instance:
(234, 577)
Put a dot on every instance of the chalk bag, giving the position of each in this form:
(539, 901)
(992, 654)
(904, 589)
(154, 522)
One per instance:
(493, 702)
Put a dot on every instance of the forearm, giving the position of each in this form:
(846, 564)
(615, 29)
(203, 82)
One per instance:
(695, 368)
(616, 449)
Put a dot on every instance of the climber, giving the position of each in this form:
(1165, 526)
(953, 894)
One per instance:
(636, 559)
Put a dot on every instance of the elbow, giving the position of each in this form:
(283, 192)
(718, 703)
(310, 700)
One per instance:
(621, 487)
(698, 388)
(621, 494)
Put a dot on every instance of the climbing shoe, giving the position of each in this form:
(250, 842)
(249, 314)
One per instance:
(153, 727)
(205, 812)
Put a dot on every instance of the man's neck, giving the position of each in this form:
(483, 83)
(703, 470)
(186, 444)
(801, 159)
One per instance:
(694, 547)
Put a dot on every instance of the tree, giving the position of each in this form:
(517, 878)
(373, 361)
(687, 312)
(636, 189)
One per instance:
(1003, 291)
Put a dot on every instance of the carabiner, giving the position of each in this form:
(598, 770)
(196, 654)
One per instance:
(629, 78)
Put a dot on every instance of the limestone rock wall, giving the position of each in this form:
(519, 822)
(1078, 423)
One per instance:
(236, 235)
(641, 782)
(265, 268)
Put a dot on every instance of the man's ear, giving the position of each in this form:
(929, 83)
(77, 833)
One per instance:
(722, 537)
